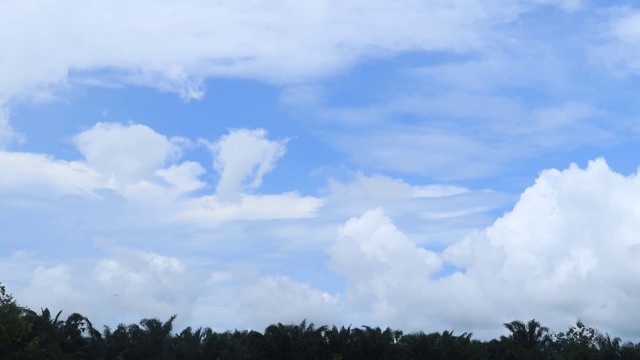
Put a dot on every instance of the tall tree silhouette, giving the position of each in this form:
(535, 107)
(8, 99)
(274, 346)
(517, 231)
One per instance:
(150, 340)
(14, 328)
(293, 342)
(528, 335)
(339, 343)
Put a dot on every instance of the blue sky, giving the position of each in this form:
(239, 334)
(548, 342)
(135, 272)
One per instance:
(423, 165)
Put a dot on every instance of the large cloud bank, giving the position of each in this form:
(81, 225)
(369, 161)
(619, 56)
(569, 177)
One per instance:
(568, 250)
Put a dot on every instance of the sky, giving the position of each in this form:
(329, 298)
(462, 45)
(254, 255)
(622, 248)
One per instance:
(420, 164)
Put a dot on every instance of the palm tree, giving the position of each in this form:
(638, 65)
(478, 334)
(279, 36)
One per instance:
(419, 346)
(297, 341)
(151, 339)
(439, 346)
(279, 338)
(189, 344)
(213, 344)
(117, 342)
(244, 345)
(374, 343)
(75, 332)
(339, 342)
(610, 349)
(530, 335)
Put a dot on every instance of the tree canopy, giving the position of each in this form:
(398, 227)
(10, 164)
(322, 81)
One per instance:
(26, 334)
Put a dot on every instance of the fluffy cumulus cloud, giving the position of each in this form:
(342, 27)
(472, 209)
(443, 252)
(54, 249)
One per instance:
(125, 286)
(568, 250)
(242, 158)
(126, 153)
(128, 159)
(143, 167)
(380, 264)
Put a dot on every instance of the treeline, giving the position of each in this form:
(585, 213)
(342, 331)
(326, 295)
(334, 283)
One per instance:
(26, 334)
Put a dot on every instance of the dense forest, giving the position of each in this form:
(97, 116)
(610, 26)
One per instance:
(27, 334)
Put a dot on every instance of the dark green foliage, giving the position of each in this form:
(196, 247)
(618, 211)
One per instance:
(293, 342)
(14, 329)
(527, 341)
(25, 334)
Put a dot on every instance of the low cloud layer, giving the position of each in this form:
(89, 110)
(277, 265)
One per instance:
(566, 251)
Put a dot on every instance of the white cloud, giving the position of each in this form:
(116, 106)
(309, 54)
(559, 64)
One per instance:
(571, 233)
(7, 133)
(621, 48)
(433, 214)
(141, 166)
(242, 158)
(381, 266)
(39, 175)
(171, 79)
(127, 159)
(147, 283)
(566, 251)
(183, 176)
(126, 286)
(57, 283)
(127, 153)
(440, 154)
(447, 141)
(374, 240)
(402, 199)
(173, 46)
(375, 186)
(381, 186)
(212, 211)
(275, 299)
